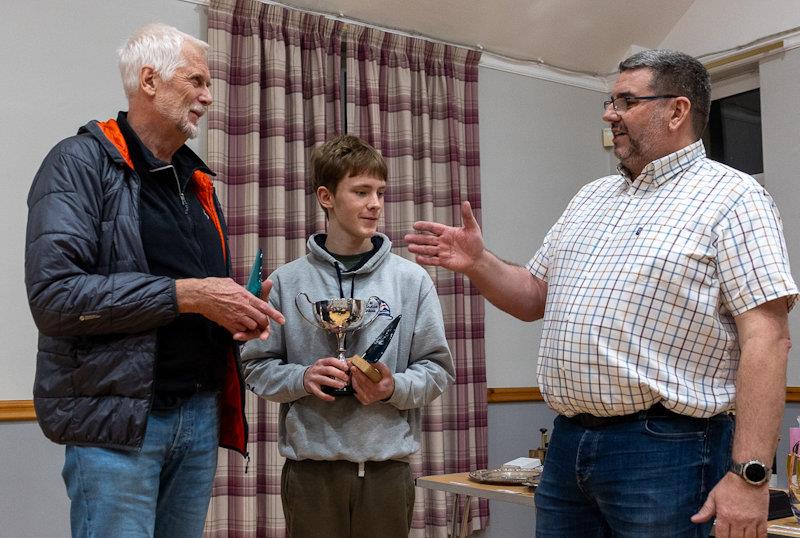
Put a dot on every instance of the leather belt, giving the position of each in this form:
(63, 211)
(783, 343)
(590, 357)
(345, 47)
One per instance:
(591, 421)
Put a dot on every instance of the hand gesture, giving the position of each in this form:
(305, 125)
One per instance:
(369, 392)
(457, 249)
(229, 305)
(327, 371)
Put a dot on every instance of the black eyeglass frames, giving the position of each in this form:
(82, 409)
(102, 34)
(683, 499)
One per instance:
(622, 103)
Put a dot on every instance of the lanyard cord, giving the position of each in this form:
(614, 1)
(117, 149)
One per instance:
(339, 278)
(341, 289)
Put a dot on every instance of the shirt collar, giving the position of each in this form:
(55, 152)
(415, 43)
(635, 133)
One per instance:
(664, 169)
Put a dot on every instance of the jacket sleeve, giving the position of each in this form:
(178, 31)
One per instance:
(266, 370)
(430, 366)
(67, 294)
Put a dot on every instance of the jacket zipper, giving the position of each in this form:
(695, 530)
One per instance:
(177, 184)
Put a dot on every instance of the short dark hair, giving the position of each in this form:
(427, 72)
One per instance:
(344, 156)
(676, 73)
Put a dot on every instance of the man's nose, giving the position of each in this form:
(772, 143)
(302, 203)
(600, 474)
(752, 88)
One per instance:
(610, 115)
(205, 96)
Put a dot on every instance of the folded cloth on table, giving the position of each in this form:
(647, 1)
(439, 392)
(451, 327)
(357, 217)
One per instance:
(524, 463)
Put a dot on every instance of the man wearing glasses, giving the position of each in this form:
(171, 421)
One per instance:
(664, 291)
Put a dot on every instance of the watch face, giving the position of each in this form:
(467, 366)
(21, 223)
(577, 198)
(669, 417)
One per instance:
(754, 472)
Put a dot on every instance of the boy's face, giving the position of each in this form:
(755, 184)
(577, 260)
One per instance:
(354, 209)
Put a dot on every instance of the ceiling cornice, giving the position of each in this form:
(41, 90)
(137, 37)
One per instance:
(544, 72)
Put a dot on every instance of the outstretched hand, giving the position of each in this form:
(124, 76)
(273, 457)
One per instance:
(454, 248)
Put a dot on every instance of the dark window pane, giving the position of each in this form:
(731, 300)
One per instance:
(733, 135)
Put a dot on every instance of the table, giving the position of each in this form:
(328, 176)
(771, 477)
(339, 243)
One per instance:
(460, 484)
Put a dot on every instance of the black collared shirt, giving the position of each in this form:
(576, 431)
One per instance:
(180, 241)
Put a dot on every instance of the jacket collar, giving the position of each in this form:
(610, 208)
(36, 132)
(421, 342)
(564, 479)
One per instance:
(110, 136)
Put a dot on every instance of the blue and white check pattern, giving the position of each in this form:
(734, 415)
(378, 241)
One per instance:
(645, 277)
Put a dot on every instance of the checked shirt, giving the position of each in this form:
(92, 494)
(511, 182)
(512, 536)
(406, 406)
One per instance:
(645, 277)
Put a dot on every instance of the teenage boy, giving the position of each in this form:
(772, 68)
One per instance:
(347, 457)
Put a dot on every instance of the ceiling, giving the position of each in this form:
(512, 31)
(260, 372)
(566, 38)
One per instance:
(589, 36)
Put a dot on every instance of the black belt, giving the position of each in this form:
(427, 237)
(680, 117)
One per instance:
(590, 421)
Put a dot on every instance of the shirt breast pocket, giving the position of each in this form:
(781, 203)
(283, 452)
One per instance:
(672, 261)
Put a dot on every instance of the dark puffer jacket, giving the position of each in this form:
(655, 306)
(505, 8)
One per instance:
(95, 305)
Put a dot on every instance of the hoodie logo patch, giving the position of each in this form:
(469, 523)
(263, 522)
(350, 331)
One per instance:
(382, 307)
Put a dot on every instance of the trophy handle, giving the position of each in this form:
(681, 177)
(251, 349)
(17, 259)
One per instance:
(300, 310)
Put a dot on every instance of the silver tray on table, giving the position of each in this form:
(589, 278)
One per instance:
(507, 475)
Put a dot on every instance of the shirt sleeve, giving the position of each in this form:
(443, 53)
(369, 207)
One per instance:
(753, 264)
(539, 265)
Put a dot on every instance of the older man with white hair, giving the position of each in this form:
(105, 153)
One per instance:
(127, 271)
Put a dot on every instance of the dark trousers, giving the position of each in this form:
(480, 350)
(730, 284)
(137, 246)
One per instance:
(327, 499)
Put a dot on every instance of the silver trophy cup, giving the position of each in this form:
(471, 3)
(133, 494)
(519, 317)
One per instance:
(339, 317)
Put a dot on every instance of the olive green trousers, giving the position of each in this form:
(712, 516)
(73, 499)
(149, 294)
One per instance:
(328, 499)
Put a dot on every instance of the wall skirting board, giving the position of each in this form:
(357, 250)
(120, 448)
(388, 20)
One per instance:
(22, 410)
(14, 410)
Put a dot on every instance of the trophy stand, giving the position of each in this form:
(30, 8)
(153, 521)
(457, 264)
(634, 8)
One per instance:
(347, 390)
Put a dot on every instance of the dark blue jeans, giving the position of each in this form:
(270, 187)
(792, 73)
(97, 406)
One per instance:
(161, 491)
(641, 478)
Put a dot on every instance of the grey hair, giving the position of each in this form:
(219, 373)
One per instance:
(676, 73)
(157, 45)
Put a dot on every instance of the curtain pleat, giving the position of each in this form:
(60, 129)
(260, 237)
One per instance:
(277, 84)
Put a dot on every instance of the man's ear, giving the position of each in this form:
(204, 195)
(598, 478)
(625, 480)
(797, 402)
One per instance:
(147, 80)
(681, 113)
(325, 197)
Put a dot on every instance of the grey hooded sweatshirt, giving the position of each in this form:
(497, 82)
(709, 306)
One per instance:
(310, 428)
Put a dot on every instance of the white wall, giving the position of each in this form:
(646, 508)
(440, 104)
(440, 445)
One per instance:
(780, 121)
(714, 25)
(540, 142)
(60, 71)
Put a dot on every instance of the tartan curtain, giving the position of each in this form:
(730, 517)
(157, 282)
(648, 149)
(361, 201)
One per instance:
(277, 84)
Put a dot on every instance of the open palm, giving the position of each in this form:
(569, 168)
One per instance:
(454, 248)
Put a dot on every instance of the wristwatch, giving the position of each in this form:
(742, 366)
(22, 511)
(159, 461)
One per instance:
(753, 472)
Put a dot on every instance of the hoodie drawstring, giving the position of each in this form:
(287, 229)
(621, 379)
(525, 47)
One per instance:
(341, 289)
(339, 278)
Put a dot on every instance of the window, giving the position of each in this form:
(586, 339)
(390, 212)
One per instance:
(733, 134)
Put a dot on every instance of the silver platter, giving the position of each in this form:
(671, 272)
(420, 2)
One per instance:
(507, 475)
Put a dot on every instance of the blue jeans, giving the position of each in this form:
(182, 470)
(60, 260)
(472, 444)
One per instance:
(162, 490)
(641, 478)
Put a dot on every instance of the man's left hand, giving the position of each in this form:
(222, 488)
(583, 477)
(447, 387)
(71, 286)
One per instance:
(368, 392)
(741, 508)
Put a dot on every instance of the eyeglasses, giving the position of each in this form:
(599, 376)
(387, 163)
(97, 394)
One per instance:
(623, 103)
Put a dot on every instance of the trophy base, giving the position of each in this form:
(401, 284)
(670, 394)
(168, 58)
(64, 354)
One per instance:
(344, 391)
